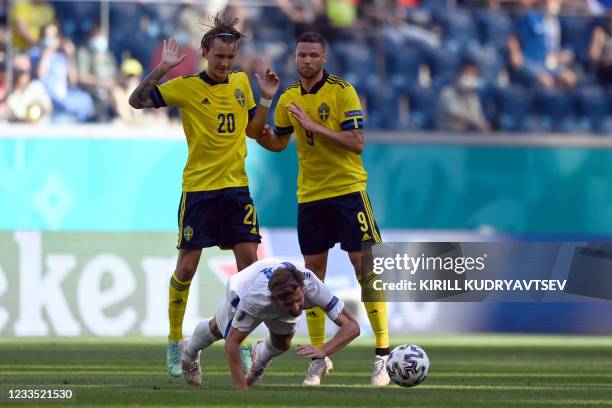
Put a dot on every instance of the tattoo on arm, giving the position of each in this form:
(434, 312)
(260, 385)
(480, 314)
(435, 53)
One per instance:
(141, 97)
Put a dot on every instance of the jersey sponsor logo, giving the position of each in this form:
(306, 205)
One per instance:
(188, 233)
(240, 98)
(254, 230)
(366, 237)
(331, 304)
(267, 272)
(324, 112)
(352, 114)
(205, 101)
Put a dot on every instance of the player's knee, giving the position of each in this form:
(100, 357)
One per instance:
(214, 328)
(186, 269)
(281, 342)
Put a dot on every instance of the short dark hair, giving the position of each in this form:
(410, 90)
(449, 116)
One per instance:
(468, 62)
(222, 29)
(285, 281)
(312, 37)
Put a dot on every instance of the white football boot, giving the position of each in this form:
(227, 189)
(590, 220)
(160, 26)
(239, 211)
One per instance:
(316, 370)
(380, 377)
(192, 370)
(256, 372)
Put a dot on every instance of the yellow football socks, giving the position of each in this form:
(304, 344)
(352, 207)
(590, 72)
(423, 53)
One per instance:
(179, 292)
(377, 314)
(315, 320)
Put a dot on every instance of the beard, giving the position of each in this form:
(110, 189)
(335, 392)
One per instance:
(308, 73)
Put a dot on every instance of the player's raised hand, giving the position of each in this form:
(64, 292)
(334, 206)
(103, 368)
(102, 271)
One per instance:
(309, 351)
(170, 57)
(268, 84)
(302, 117)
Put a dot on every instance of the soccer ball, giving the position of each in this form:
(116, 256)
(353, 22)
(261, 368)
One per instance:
(408, 365)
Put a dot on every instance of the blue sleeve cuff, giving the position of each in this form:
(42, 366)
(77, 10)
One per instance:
(252, 112)
(355, 123)
(157, 98)
(281, 131)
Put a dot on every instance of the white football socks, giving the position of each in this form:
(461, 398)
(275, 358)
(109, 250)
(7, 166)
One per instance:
(267, 353)
(202, 337)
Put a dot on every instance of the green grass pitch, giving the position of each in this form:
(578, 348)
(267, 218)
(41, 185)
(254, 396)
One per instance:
(466, 371)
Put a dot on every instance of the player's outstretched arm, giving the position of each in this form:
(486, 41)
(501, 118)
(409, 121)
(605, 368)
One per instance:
(232, 353)
(349, 139)
(141, 97)
(271, 141)
(349, 330)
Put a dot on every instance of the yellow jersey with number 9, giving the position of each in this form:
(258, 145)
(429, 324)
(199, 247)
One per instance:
(215, 116)
(326, 169)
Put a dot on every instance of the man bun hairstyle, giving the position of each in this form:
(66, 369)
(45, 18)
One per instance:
(222, 28)
(285, 281)
(312, 37)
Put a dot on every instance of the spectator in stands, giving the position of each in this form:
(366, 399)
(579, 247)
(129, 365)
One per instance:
(459, 107)
(308, 15)
(600, 51)
(97, 73)
(3, 41)
(3, 91)
(28, 19)
(535, 53)
(29, 101)
(192, 56)
(58, 72)
(131, 72)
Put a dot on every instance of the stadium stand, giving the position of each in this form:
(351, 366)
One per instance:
(398, 55)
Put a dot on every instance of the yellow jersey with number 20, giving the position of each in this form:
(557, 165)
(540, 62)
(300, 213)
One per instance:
(215, 116)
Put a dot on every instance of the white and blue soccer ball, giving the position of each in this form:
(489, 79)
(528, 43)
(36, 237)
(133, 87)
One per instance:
(408, 365)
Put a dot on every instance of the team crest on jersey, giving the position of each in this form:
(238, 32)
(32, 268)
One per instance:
(239, 95)
(188, 233)
(324, 112)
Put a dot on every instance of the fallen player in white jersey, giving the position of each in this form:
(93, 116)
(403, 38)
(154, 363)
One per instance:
(274, 293)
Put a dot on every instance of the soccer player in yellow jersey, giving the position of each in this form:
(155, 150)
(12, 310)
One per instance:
(324, 113)
(217, 111)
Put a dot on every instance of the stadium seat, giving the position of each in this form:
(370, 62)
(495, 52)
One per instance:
(356, 61)
(494, 27)
(553, 108)
(422, 102)
(403, 64)
(382, 105)
(576, 35)
(459, 27)
(443, 63)
(513, 104)
(489, 62)
(592, 108)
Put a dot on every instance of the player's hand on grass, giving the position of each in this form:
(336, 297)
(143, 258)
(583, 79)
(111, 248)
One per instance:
(309, 351)
(268, 84)
(170, 57)
(302, 117)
